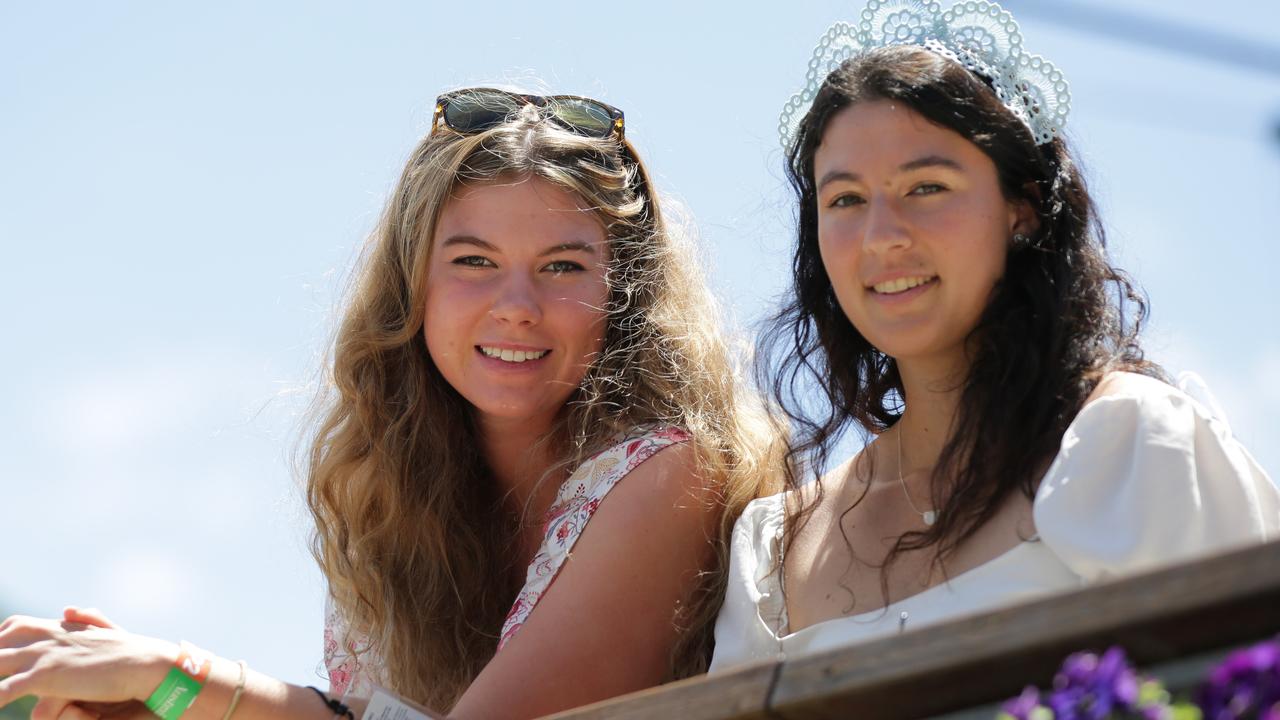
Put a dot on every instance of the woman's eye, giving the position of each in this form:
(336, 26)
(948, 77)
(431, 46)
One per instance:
(563, 266)
(845, 200)
(927, 189)
(473, 261)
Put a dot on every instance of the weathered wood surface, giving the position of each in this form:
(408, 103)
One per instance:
(741, 694)
(1157, 617)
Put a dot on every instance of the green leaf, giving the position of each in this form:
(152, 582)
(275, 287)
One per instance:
(1152, 692)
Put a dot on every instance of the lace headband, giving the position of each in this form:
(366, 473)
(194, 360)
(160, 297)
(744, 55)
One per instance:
(980, 35)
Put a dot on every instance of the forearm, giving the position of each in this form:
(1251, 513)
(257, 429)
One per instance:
(263, 698)
(99, 664)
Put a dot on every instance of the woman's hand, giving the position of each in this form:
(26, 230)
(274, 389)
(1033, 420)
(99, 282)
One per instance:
(83, 659)
(58, 709)
(87, 616)
(71, 710)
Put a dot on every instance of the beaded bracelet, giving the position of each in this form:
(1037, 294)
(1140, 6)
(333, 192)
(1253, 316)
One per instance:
(339, 710)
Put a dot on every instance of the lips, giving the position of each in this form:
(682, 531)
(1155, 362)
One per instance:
(509, 355)
(902, 284)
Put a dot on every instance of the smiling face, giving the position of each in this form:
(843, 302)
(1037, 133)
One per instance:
(514, 298)
(912, 227)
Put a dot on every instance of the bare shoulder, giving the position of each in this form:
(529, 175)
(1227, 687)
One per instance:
(829, 487)
(672, 473)
(666, 498)
(618, 595)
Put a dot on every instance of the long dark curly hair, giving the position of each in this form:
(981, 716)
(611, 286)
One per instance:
(1060, 318)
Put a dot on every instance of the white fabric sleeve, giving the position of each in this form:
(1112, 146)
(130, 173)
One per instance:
(754, 608)
(1148, 477)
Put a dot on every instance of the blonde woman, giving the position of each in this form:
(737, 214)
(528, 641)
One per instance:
(528, 364)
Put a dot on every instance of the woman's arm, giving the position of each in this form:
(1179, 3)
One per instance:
(606, 625)
(86, 659)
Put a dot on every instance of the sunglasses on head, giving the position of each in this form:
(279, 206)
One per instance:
(474, 110)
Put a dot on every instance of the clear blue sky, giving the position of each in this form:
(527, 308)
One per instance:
(183, 188)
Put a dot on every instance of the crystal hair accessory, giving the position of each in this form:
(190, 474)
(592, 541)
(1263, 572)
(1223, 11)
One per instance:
(980, 35)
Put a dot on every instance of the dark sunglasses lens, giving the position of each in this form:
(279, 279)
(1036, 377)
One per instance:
(477, 111)
(585, 116)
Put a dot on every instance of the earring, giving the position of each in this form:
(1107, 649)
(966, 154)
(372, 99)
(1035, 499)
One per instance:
(1020, 241)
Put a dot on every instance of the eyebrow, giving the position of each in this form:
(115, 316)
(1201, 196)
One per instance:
(917, 164)
(930, 161)
(569, 247)
(468, 240)
(472, 240)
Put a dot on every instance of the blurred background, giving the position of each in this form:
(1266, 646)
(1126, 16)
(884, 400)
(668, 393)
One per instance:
(183, 189)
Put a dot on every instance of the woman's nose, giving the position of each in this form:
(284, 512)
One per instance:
(517, 302)
(884, 227)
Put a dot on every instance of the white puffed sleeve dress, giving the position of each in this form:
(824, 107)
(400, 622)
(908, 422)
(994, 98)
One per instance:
(1144, 477)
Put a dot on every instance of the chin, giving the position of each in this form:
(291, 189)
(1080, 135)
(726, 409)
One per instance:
(515, 412)
(906, 347)
(927, 354)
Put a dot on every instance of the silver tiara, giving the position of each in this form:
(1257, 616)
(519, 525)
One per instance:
(980, 35)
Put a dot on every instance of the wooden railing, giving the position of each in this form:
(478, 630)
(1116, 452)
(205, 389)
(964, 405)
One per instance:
(1164, 616)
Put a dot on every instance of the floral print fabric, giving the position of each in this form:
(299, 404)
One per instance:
(353, 667)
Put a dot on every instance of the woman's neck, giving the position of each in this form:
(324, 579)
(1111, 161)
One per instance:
(518, 455)
(932, 393)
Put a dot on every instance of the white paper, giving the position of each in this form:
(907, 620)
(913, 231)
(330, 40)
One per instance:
(384, 705)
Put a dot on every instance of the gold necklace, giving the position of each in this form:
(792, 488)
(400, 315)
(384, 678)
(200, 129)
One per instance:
(929, 516)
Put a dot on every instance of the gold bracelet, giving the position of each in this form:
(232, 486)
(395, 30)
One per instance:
(235, 698)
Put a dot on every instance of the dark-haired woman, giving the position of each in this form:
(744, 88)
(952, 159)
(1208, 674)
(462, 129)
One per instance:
(953, 299)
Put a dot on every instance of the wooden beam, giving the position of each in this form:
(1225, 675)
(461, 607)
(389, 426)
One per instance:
(1170, 613)
(1160, 616)
(740, 694)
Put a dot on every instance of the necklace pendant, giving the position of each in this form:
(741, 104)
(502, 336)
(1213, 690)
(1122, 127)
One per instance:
(929, 517)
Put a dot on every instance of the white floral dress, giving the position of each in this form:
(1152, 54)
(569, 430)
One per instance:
(354, 670)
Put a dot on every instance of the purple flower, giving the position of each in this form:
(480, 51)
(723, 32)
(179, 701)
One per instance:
(1020, 707)
(1156, 712)
(1245, 685)
(1091, 688)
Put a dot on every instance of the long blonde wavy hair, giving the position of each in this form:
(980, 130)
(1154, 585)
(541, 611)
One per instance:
(410, 527)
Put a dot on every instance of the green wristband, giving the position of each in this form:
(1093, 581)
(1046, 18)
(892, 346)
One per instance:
(174, 695)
